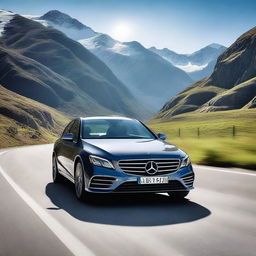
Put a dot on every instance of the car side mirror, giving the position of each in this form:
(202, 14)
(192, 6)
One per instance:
(161, 136)
(68, 137)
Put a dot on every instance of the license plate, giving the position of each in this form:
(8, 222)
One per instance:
(153, 180)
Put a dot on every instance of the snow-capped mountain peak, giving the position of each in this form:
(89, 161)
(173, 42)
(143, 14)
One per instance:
(99, 40)
(103, 42)
(197, 64)
(62, 19)
(5, 17)
(63, 22)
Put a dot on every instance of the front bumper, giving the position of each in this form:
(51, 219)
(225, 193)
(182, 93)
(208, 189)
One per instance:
(105, 180)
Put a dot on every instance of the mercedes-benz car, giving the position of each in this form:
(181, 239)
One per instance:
(119, 155)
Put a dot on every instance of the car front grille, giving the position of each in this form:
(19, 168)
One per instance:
(101, 182)
(189, 179)
(133, 186)
(137, 167)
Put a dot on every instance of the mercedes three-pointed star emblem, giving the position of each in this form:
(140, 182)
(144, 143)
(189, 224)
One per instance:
(151, 168)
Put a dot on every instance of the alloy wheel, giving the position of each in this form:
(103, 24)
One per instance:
(79, 180)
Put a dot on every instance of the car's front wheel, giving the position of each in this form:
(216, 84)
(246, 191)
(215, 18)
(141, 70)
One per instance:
(56, 176)
(178, 195)
(81, 194)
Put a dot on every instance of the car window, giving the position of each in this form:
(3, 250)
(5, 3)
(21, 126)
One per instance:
(95, 128)
(115, 128)
(75, 129)
(67, 128)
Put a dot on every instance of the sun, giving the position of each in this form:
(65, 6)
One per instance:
(122, 31)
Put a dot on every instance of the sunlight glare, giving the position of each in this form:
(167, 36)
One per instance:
(122, 31)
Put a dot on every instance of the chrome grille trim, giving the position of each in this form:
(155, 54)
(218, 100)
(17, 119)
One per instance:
(101, 182)
(167, 170)
(137, 166)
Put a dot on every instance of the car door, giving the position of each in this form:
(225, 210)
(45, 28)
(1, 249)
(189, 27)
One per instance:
(72, 148)
(63, 148)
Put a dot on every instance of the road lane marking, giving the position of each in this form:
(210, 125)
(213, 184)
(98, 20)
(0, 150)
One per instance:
(224, 170)
(66, 237)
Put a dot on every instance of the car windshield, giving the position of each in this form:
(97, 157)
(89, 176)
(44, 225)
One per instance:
(115, 129)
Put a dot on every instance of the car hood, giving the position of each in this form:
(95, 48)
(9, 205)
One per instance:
(128, 148)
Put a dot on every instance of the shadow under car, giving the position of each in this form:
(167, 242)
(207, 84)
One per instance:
(125, 209)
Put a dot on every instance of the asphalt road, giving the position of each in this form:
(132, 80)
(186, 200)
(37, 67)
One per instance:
(38, 217)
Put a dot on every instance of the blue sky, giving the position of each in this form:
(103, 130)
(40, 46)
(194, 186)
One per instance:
(180, 25)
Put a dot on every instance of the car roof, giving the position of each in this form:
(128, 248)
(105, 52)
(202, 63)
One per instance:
(107, 117)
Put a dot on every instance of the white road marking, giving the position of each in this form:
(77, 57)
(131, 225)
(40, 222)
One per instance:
(217, 169)
(67, 238)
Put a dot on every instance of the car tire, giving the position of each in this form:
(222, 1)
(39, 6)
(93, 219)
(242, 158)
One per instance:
(178, 195)
(81, 194)
(56, 176)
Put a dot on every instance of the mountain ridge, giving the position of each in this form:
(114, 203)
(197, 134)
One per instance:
(145, 72)
(61, 18)
(129, 62)
(70, 67)
(198, 64)
(131, 66)
(231, 86)
(65, 23)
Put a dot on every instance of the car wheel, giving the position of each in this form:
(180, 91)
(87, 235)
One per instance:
(81, 194)
(178, 195)
(56, 176)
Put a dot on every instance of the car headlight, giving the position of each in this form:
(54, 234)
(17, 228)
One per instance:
(185, 162)
(98, 161)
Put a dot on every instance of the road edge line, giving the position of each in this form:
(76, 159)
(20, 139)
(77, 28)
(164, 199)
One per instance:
(212, 168)
(67, 238)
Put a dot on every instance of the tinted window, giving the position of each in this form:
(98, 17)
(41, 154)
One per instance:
(75, 129)
(114, 128)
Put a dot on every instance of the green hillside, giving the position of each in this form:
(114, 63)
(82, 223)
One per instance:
(43, 64)
(232, 85)
(25, 122)
(225, 138)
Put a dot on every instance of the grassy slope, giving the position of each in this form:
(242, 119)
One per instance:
(235, 98)
(215, 146)
(43, 64)
(189, 100)
(25, 122)
(232, 85)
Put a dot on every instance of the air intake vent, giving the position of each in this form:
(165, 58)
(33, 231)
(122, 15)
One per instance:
(133, 186)
(137, 167)
(101, 182)
(189, 179)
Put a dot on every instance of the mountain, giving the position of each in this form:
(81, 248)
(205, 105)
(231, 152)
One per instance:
(145, 73)
(232, 85)
(43, 64)
(63, 22)
(198, 64)
(148, 75)
(206, 54)
(5, 17)
(25, 121)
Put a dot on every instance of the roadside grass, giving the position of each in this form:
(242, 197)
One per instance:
(24, 121)
(22, 135)
(215, 144)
